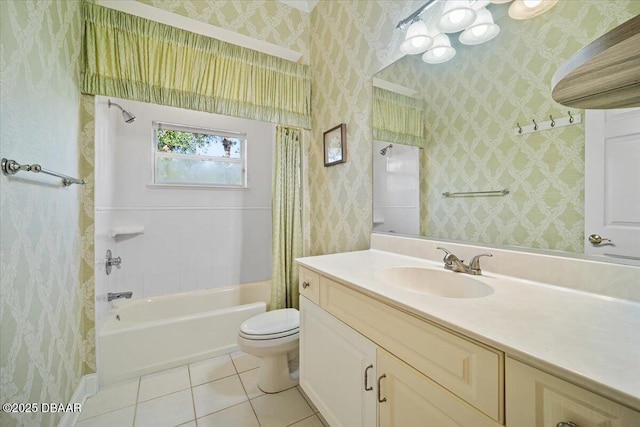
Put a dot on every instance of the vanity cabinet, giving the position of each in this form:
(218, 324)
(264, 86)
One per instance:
(428, 371)
(408, 398)
(337, 368)
(535, 398)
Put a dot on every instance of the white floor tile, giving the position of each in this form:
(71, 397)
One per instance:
(111, 398)
(312, 421)
(281, 409)
(162, 383)
(244, 361)
(170, 410)
(189, 424)
(217, 395)
(120, 417)
(250, 382)
(237, 416)
(211, 370)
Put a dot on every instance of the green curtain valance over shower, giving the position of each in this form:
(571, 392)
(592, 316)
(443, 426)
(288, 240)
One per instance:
(129, 57)
(397, 118)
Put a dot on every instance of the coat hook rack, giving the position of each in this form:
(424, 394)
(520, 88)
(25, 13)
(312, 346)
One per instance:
(549, 124)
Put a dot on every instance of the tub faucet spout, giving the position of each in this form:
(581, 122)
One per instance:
(117, 295)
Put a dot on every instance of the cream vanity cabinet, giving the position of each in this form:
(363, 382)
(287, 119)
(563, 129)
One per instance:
(337, 368)
(535, 398)
(365, 363)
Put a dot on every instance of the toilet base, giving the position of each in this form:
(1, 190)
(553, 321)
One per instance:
(274, 374)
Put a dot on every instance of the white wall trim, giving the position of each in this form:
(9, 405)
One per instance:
(87, 387)
(183, 208)
(169, 18)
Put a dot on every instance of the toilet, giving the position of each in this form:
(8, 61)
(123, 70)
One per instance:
(273, 338)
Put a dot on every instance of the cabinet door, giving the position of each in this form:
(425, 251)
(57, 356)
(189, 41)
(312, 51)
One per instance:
(535, 398)
(409, 399)
(337, 368)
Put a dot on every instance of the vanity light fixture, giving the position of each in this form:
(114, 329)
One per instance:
(482, 30)
(417, 39)
(527, 9)
(456, 16)
(441, 51)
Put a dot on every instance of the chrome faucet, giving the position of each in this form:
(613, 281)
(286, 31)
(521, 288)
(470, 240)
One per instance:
(117, 295)
(453, 263)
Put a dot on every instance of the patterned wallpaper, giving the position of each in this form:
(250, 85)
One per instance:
(40, 300)
(352, 40)
(544, 171)
(268, 20)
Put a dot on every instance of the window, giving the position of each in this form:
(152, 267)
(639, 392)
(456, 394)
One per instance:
(185, 155)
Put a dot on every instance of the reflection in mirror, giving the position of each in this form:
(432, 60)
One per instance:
(468, 109)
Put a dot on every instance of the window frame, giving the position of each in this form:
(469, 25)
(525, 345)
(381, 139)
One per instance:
(156, 154)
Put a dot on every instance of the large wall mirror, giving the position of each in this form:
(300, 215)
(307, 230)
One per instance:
(456, 135)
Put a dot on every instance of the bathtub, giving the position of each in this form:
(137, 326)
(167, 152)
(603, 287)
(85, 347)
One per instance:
(145, 335)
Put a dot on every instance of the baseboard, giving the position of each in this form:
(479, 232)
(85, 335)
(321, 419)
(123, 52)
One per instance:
(87, 387)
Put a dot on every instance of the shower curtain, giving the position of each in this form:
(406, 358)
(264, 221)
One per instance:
(286, 218)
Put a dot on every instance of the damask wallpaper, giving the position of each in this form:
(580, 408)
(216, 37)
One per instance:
(268, 20)
(40, 299)
(508, 79)
(352, 40)
(473, 103)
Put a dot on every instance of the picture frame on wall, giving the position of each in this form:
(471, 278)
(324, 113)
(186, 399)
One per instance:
(335, 145)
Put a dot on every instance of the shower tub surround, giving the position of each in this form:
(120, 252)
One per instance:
(145, 335)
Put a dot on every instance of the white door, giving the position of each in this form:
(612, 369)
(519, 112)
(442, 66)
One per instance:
(337, 368)
(612, 182)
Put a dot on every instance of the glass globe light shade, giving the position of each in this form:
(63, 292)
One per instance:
(417, 39)
(440, 52)
(456, 16)
(526, 9)
(482, 30)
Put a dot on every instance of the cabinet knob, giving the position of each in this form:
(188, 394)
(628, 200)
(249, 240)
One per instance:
(305, 285)
(367, 387)
(566, 424)
(380, 379)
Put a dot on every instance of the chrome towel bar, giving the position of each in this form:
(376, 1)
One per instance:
(478, 193)
(11, 167)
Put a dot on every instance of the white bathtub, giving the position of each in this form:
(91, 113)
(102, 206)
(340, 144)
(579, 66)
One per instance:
(144, 335)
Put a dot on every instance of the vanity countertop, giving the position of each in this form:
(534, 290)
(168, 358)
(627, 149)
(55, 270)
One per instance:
(588, 339)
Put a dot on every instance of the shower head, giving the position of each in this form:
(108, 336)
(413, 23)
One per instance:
(127, 116)
(384, 150)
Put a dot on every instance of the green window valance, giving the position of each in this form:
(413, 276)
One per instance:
(129, 57)
(397, 118)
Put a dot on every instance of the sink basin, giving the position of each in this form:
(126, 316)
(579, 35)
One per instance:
(434, 282)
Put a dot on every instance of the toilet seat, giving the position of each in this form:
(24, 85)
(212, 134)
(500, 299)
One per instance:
(271, 325)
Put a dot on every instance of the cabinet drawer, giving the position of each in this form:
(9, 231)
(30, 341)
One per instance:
(414, 400)
(535, 398)
(469, 370)
(309, 284)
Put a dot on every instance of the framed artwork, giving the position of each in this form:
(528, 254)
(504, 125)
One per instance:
(335, 145)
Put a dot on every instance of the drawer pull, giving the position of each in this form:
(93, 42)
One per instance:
(305, 285)
(380, 379)
(367, 387)
(566, 424)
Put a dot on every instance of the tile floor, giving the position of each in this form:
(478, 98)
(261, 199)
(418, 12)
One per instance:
(218, 392)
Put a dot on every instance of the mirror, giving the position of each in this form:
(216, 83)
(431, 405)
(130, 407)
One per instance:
(471, 107)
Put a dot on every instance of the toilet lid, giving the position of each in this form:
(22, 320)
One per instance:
(272, 323)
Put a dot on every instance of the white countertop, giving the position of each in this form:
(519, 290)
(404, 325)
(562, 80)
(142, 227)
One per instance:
(588, 339)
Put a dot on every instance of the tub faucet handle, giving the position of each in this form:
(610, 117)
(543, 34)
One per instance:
(117, 262)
